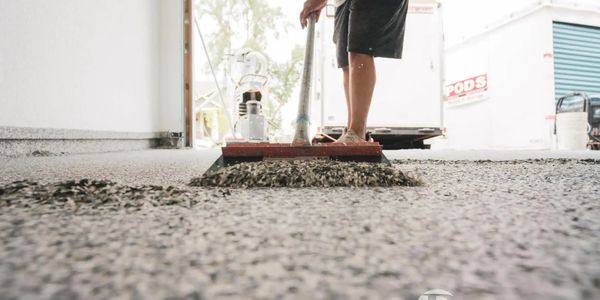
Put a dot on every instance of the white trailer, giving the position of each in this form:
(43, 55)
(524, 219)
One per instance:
(503, 83)
(407, 101)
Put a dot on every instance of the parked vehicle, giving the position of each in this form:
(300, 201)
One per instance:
(588, 106)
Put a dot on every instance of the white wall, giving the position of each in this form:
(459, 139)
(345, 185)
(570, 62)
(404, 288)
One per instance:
(519, 86)
(468, 126)
(171, 116)
(88, 64)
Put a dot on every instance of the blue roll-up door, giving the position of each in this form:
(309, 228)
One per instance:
(576, 59)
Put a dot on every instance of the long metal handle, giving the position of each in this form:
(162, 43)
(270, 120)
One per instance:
(303, 117)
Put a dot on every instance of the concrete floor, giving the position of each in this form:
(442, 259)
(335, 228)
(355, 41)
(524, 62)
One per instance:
(500, 229)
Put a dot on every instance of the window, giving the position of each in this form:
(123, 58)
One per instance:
(572, 104)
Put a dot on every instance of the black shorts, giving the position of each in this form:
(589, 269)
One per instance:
(374, 27)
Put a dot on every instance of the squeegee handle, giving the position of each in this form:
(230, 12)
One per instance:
(303, 117)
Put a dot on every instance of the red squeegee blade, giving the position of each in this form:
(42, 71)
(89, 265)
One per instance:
(267, 150)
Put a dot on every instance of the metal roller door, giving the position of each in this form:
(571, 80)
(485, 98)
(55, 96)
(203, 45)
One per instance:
(576, 59)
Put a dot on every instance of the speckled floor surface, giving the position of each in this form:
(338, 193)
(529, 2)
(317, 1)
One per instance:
(479, 229)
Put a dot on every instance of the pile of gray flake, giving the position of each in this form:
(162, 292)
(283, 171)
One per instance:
(309, 173)
(91, 194)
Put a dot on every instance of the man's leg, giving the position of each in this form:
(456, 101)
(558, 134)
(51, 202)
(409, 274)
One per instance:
(346, 72)
(361, 84)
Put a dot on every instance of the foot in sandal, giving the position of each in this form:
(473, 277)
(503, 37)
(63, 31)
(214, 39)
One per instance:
(350, 137)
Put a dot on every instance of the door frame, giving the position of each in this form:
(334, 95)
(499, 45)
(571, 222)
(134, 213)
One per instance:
(188, 15)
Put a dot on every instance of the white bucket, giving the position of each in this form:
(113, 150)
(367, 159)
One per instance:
(571, 131)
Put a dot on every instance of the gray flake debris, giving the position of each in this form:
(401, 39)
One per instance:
(309, 173)
(91, 193)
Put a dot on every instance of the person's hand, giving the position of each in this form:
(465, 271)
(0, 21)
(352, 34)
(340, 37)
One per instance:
(311, 6)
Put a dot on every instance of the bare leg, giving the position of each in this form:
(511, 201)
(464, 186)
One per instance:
(347, 94)
(362, 82)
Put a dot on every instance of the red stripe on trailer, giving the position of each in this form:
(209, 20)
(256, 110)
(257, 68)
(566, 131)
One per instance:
(288, 150)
